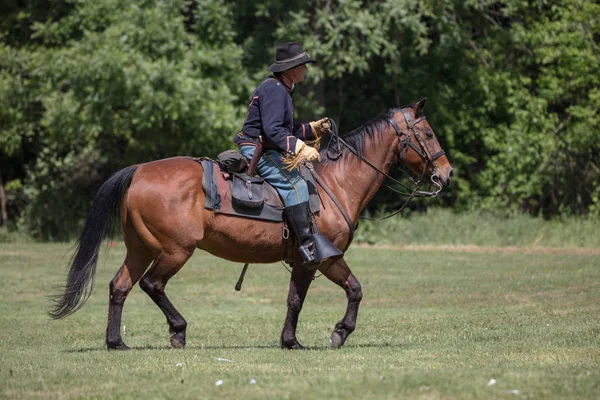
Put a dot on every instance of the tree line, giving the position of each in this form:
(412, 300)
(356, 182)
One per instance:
(88, 87)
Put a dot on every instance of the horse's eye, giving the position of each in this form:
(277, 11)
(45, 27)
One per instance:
(429, 134)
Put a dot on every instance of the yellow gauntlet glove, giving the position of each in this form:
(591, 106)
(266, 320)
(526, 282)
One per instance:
(320, 127)
(308, 153)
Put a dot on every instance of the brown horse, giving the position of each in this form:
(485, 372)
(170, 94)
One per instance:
(164, 221)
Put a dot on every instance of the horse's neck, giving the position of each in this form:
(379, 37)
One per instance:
(353, 181)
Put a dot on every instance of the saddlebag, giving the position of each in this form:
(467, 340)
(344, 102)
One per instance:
(247, 191)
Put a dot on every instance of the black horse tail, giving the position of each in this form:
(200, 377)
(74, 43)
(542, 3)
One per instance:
(101, 222)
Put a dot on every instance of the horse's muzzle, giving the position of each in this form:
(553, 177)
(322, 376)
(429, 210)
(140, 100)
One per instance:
(443, 177)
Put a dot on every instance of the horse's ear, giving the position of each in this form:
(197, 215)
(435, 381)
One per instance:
(420, 107)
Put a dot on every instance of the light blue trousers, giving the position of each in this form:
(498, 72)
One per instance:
(289, 184)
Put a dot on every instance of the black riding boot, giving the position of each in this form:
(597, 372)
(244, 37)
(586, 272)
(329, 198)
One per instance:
(298, 220)
(313, 248)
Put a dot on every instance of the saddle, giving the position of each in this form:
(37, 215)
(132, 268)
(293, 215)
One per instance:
(230, 190)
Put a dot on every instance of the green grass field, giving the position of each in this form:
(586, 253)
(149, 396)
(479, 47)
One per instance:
(432, 324)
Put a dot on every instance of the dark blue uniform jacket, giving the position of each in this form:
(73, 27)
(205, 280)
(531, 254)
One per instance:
(271, 114)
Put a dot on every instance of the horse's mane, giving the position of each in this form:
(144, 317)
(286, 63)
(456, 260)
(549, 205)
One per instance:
(372, 129)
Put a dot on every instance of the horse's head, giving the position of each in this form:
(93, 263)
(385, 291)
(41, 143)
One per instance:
(419, 149)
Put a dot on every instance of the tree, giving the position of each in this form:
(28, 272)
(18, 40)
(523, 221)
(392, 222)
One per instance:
(104, 84)
(87, 87)
(513, 87)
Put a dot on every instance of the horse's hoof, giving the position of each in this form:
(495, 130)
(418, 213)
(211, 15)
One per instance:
(336, 341)
(118, 346)
(293, 346)
(177, 343)
(177, 339)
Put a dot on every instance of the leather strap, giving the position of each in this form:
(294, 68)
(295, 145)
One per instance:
(335, 200)
(256, 157)
(437, 155)
(424, 151)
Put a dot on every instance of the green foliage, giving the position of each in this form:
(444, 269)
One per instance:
(112, 83)
(544, 159)
(97, 85)
(513, 88)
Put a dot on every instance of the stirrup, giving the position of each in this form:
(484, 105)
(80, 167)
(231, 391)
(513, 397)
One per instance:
(307, 252)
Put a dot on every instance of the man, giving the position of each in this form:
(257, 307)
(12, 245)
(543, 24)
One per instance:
(270, 119)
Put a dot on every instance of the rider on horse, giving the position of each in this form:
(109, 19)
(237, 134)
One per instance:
(270, 120)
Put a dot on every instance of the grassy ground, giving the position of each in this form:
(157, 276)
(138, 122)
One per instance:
(444, 227)
(432, 325)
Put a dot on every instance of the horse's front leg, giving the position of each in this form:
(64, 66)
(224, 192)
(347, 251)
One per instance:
(340, 273)
(301, 279)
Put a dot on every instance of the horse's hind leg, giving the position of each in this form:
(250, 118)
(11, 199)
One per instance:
(299, 284)
(340, 273)
(164, 267)
(137, 260)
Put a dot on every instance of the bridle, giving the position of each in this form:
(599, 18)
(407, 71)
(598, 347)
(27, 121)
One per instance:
(423, 150)
(334, 151)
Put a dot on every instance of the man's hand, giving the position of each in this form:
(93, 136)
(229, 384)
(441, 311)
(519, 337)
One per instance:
(320, 127)
(311, 154)
(308, 153)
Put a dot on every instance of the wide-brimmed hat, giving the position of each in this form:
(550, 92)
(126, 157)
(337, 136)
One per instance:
(288, 56)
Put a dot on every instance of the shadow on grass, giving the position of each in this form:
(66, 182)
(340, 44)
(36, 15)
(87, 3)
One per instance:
(250, 347)
(151, 347)
(103, 348)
